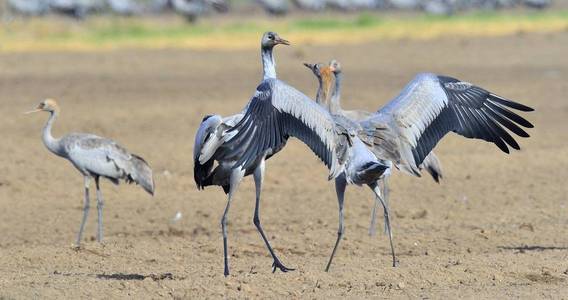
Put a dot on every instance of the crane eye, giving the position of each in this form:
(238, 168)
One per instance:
(270, 36)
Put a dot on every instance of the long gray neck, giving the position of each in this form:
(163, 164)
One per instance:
(268, 64)
(334, 103)
(48, 140)
(319, 99)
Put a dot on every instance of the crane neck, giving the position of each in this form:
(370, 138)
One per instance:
(268, 64)
(49, 141)
(319, 98)
(334, 103)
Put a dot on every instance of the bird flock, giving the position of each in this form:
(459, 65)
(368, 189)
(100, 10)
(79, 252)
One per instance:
(358, 147)
(192, 9)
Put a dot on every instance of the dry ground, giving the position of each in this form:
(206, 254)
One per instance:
(494, 228)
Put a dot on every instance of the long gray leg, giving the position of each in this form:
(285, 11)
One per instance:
(236, 177)
(384, 185)
(86, 207)
(340, 186)
(380, 199)
(258, 179)
(100, 205)
(373, 225)
(386, 195)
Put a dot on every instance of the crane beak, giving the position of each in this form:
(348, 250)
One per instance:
(32, 111)
(38, 108)
(309, 66)
(282, 41)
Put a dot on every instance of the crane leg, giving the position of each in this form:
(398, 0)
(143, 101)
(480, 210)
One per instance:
(258, 178)
(340, 186)
(236, 178)
(100, 205)
(86, 207)
(373, 224)
(380, 199)
(385, 188)
(386, 195)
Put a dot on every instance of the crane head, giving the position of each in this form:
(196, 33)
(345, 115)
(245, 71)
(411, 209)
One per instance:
(316, 69)
(323, 73)
(49, 105)
(271, 39)
(335, 66)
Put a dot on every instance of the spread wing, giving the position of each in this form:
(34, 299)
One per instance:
(430, 106)
(276, 112)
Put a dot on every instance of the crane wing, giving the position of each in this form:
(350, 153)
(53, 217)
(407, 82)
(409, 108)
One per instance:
(431, 106)
(276, 112)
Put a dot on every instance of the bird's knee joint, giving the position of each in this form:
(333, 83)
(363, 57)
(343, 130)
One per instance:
(256, 221)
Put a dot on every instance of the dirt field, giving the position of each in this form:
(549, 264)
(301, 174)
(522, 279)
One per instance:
(494, 228)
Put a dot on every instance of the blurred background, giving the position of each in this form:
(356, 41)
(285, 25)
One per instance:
(85, 24)
(194, 9)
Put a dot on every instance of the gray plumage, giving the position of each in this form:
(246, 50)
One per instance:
(404, 4)
(95, 157)
(312, 5)
(362, 167)
(227, 150)
(405, 131)
(323, 74)
(539, 4)
(192, 9)
(76, 8)
(429, 107)
(275, 7)
(125, 7)
(29, 7)
(438, 7)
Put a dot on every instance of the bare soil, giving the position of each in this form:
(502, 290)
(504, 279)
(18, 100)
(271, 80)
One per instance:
(496, 227)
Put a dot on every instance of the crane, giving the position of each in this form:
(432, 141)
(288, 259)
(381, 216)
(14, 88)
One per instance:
(225, 153)
(405, 131)
(95, 157)
(407, 128)
(324, 76)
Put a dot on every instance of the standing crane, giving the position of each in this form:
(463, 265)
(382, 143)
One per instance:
(224, 154)
(95, 157)
(408, 127)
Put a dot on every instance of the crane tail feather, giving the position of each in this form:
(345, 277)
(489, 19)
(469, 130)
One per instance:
(142, 174)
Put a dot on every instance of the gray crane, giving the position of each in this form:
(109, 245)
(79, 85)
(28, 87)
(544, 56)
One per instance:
(95, 157)
(407, 128)
(324, 92)
(431, 163)
(224, 154)
(362, 176)
(405, 131)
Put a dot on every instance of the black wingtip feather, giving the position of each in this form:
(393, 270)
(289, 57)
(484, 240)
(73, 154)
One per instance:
(509, 103)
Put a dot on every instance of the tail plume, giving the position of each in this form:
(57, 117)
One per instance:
(433, 166)
(142, 174)
(371, 171)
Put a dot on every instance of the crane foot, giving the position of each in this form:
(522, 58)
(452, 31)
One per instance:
(279, 265)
